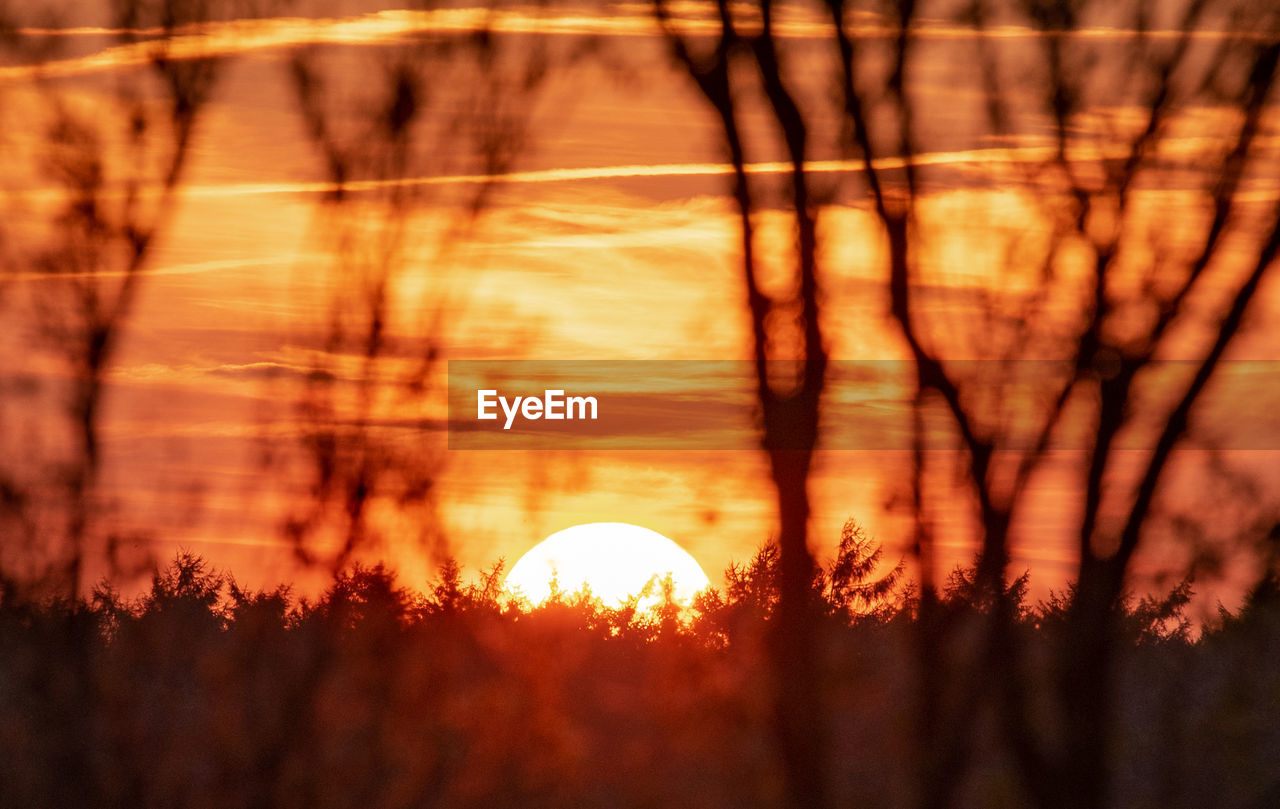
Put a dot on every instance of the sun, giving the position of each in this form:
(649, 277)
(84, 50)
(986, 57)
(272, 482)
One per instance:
(615, 559)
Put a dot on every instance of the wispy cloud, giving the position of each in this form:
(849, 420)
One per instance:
(192, 268)
(225, 38)
(1172, 149)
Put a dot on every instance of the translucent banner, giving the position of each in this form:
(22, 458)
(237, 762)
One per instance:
(866, 405)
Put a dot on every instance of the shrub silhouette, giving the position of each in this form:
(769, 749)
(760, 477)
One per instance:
(202, 693)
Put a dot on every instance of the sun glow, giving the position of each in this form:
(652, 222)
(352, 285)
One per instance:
(615, 560)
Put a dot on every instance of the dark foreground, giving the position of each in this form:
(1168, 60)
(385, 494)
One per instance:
(200, 694)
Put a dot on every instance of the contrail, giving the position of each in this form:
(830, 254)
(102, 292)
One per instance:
(997, 155)
(224, 38)
(1185, 148)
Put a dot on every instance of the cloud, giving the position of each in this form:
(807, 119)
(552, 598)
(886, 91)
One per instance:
(230, 37)
(263, 370)
(226, 38)
(192, 268)
(1183, 150)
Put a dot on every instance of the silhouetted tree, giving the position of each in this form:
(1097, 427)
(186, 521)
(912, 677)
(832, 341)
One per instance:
(1102, 293)
(115, 172)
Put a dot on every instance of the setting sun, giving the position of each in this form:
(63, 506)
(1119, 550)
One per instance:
(353, 351)
(616, 560)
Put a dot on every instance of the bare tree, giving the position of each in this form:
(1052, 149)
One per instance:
(788, 406)
(113, 173)
(439, 105)
(1102, 104)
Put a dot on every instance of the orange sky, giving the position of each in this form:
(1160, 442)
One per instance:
(612, 240)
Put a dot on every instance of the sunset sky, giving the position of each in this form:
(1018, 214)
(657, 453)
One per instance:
(610, 236)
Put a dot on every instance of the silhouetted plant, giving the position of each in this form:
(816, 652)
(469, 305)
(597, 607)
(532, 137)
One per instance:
(364, 595)
(244, 697)
(1099, 291)
(187, 582)
(850, 585)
